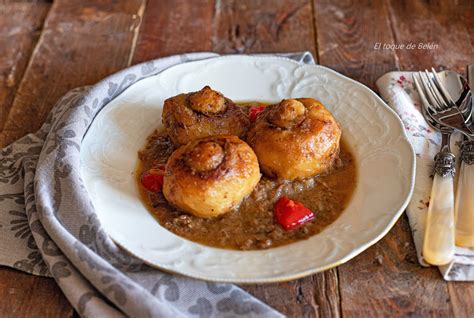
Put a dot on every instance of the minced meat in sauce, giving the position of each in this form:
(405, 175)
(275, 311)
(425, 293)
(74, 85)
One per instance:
(252, 225)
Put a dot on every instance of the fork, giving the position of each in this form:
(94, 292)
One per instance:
(438, 243)
(464, 203)
(441, 107)
(464, 207)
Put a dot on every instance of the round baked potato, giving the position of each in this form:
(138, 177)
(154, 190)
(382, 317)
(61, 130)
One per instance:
(295, 139)
(210, 176)
(200, 114)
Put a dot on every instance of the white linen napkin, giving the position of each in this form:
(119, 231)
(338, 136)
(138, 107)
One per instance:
(398, 90)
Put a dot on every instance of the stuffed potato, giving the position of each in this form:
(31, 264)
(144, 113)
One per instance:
(295, 139)
(200, 114)
(210, 176)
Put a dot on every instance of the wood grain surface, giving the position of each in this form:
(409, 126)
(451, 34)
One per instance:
(47, 49)
(81, 43)
(448, 24)
(17, 41)
(158, 34)
(260, 26)
(348, 46)
(24, 295)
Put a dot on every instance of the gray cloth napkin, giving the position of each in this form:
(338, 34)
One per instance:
(48, 225)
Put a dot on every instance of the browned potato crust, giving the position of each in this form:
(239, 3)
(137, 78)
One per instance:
(210, 176)
(295, 139)
(200, 114)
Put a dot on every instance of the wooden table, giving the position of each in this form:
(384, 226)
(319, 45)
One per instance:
(48, 48)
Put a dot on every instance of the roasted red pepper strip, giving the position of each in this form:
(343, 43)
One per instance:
(254, 111)
(291, 214)
(152, 179)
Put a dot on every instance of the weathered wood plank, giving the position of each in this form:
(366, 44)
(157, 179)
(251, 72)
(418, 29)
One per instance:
(20, 27)
(24, 295)
(462, 296)
(263, 26)
(347, 32)
(448, 25)
(314, 296)
(385, 280)
(67, 55)
(235, 26)
(81, 43)
(171, 27)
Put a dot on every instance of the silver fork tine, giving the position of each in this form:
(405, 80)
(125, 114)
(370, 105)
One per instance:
(425, 105)
(444, 102)
(449, 116)
(441, 88)
(424, 100)
(434, 91)
(432, 101)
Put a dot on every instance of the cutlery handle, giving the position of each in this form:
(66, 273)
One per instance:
(438, 245)
(464, 209)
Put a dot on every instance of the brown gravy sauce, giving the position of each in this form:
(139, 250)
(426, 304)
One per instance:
(252, 225)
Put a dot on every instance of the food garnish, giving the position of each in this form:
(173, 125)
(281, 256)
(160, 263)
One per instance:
(292, 214)
(254, 111)
(152, 179)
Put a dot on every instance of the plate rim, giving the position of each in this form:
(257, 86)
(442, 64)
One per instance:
(352, 253)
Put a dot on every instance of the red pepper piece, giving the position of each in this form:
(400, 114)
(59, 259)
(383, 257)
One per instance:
(291, 214)
(254, 111)
(152, 180)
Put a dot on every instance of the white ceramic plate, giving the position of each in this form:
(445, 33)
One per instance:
(385, 166)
